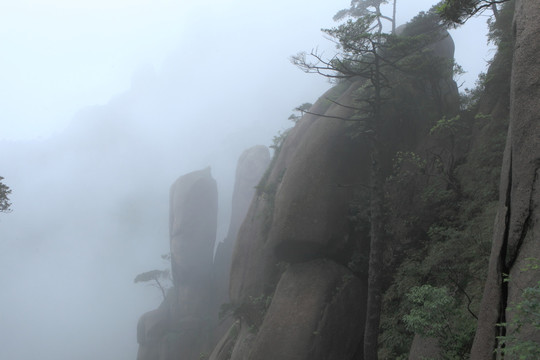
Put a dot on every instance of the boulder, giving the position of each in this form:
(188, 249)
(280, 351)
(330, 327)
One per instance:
(300, 209)
(312, 202)
(317, 313)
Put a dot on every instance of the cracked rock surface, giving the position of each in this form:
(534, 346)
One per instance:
(516, 235)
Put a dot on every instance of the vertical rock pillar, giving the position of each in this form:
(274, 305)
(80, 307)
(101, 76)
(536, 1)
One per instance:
(182, 327)
(250, 168)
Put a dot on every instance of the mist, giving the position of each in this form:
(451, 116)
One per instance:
(103, 107)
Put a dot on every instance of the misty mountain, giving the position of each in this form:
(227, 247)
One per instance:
(90, 203)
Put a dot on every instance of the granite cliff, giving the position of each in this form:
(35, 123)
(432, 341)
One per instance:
(300, 263)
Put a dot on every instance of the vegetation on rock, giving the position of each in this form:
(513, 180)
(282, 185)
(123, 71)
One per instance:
(5, 191)
(390, 67)
(459, 11)
(444, 235)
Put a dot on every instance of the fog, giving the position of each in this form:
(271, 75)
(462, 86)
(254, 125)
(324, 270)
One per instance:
(103, 105)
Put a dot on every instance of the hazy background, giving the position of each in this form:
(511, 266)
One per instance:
(103, 104)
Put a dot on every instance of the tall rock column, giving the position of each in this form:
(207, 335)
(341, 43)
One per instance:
(250, 168)
(517, 228)
(182, 327)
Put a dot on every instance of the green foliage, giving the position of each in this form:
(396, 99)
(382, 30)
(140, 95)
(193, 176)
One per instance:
(432, 307)
(277, 140)
(5, 191)
(459, 11)
(381, 59)
(525, 318)
(439, 213)
(251, 311)
(361, 8)
(447, 126)
(300, 111)
(262, 302)
(157, 278)
(469, 97)
(442, 232)
(227, 310)
(152, 275)
(435, 314)
(500, 33)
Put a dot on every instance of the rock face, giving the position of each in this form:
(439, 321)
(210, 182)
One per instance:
(299, 217)
(301, 203)
(250, 168)
(192, 226)
(517, 231)
(181, 328)
(298, 276)
(291, 287)
(318, 306)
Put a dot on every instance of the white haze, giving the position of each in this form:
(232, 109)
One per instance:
(103, 104)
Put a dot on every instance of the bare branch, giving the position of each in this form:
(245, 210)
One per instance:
(334, 117)
(344, 106)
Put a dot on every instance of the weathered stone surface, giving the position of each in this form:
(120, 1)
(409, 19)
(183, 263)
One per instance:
(150, 329)
(313, 199)
(192, 225)
(444, 47)
(300, 210)
(300, 214)
(252, 264)
(317, 312)
(250, 168)
(224, 349)
(516, 228)
(182, 326)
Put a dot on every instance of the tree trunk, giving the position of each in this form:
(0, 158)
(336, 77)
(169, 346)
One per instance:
(394, 18)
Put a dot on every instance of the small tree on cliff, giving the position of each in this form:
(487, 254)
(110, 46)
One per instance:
(5, 204)
(157, 278)
(382, 61)
(362, 8)
(459, 11)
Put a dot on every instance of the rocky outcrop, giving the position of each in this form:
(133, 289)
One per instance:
(299, 270)
(302, 202)
(301, 237)
(299, 216)
(250, 168)
(192, 226)
(182, 327)
(317, 313)
(516, 231)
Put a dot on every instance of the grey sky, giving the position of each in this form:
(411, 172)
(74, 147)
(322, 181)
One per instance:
(60, 55)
